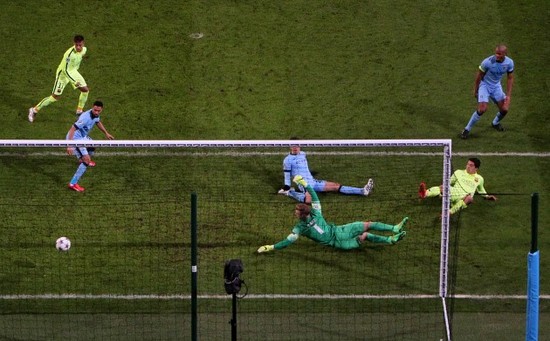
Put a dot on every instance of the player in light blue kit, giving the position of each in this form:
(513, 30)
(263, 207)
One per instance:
(79, 131)
(296, 164)
(487, 86)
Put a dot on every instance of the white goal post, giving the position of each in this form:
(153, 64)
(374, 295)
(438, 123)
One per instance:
(444, 144)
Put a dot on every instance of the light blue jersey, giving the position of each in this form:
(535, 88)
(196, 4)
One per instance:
(86, 121)
(494, 70)
(297, 165)
(490, 87)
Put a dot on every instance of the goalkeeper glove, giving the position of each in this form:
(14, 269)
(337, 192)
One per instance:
(298, 179)
(266, 248)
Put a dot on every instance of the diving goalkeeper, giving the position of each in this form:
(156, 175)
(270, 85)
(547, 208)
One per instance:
(312, 225)
(464, 184)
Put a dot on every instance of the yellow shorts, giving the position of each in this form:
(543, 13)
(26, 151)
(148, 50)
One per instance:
(62, 79)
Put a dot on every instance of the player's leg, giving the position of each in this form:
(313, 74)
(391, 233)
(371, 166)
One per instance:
(378, 226)
(503, 105)
(78, 82)
(350, 236)
(483, 101)
(428, 193)
(329, 186)
(60, 82)
(82, 99)
(459, 200)
(299, 196)
(378, 239)
(82, 154)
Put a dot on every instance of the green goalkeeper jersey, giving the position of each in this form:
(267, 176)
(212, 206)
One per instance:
(464, 183)
(314, 227)
(71, 60)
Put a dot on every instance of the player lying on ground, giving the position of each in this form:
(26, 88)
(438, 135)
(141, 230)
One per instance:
(312, 225)
(464, 184)
(296, 164)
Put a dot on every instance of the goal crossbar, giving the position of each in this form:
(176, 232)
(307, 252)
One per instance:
(226, 143)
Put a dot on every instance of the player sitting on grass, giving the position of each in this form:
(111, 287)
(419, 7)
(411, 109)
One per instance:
(464, 184)
(295, 163)
(312, 225)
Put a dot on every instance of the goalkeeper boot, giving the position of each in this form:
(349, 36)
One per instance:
(464, 135)
(397, 237)
(399, 227)
(368, 187)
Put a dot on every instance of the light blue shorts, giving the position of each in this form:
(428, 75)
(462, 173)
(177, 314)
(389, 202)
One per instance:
(318, 185)
(486, 93)
(79, 152)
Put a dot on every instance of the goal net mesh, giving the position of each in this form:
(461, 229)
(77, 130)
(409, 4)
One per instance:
(128, 272)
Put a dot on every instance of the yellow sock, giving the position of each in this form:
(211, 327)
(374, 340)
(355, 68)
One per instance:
(82, 101)
(458, 206)
(433, 192)
(44, 103)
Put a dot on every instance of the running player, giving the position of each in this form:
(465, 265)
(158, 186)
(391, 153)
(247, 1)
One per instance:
(67, 72)
(79, 131)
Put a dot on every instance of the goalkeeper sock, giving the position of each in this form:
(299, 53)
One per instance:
(82, 101)
(78, 174)
(473, 120)
(377, 226)
(44, 103)
(433, 192)
(298, 196)
(374, 238)
(350, 190)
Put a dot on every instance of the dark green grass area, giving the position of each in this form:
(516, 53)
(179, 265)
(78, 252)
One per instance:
(265, 70)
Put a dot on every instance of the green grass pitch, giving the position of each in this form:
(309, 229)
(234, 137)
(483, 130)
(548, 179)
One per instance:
(261, 70)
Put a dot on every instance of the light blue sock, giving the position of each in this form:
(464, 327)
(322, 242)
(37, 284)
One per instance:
(497, 119)
(78, 174)
(351, 190)
(473, 120)
(298, 196)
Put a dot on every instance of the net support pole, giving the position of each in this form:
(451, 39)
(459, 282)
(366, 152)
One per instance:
(194, 319)
(533, 280)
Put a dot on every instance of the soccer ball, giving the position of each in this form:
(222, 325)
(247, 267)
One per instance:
(63, 244)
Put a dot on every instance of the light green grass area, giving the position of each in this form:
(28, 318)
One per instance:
(265, 70)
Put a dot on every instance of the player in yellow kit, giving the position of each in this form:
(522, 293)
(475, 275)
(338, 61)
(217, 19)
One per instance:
(464, 184)
(67, 72)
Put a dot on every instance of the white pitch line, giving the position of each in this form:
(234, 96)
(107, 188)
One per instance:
(258, 296)
(142, 153)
